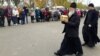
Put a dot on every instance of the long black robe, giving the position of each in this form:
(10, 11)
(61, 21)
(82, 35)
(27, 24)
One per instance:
(90, 33)
(71, 43)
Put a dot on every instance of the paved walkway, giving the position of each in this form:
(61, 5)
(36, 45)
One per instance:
(37, 39)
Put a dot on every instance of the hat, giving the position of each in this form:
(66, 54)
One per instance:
(91, 5)
(73, 5)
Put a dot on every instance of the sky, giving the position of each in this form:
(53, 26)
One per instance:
(95, 2)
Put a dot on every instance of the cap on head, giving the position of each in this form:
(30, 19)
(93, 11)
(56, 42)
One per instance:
(91, 5)
(73, 5)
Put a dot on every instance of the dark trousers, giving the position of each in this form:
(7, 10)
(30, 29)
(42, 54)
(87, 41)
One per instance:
(42, 18)
(38, 19)
(32, 19)
(2, 21)
(14, 19)
(18, 20)
(22, 20)
(70, 45)
(9, 21)
(47, 18)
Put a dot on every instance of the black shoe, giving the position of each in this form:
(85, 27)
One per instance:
(9, 25)
(91, 45)
(84, 44)
(58, 54)
(3, 26)
(79, 54)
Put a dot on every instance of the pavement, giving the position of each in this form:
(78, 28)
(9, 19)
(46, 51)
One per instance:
(37, 39)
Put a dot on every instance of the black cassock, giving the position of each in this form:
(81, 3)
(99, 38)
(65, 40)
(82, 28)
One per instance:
(90, 33)
(71, 43)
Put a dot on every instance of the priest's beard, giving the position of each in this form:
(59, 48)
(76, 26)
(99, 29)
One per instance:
(71, 13)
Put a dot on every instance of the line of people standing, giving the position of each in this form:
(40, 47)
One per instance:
(13, 14)
(19, 15)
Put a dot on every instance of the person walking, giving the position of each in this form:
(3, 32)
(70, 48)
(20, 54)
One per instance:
(71, 43)
(90, 27)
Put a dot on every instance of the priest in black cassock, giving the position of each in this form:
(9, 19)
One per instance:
(90, 27)
(71, 43)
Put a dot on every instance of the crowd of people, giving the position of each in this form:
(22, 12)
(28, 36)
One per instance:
(19, 15)
(13, 14)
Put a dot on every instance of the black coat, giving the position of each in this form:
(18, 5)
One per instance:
(90, 33)
(72, 27)
(91, 18)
